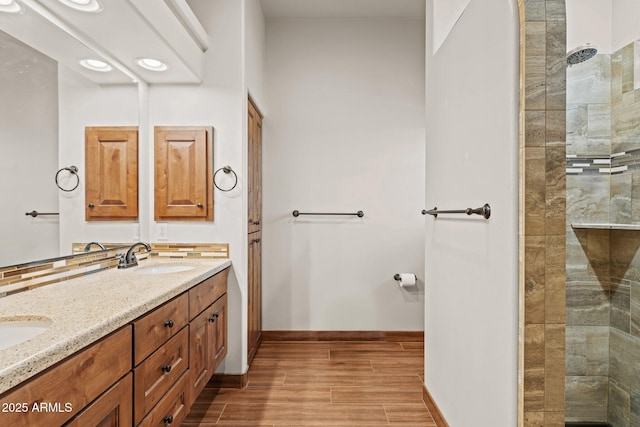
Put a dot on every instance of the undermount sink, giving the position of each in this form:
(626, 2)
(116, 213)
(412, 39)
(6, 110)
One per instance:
(13, 332)
(164, 269)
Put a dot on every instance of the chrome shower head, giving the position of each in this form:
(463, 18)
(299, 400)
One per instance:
(581, 54)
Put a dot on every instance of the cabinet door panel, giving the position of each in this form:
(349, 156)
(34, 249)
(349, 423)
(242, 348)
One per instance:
(219, 309)
(255, 294)
(112, 409)
(200, 344)
(183, 175)
(111, 173)
(254, 178)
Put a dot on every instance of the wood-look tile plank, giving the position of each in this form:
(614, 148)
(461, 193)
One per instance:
(314, 366)
(266, 377)
(413, 365)
(304, 414)
(409, 413)
(412, 345)
(374, 354)
(306, 353)
(203, 413)
(354, 379)
(393, 394)
(274, 395)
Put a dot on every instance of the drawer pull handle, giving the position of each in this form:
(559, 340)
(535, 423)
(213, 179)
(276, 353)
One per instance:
(168, 323)
(213, 317)
(166, 368)
(168, 419)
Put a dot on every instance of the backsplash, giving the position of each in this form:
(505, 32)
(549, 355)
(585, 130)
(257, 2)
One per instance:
(23, 277)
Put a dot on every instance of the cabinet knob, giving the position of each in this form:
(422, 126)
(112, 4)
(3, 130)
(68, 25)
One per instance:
(91, 205)
(256, 222)
(168, 419)
(168, 323)
(212, 319)
(256, 240)
(199, 205)
(166, 368)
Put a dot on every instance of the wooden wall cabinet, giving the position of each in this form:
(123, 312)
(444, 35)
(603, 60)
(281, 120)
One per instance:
(111, 162)
(255, 294)
(183, 173)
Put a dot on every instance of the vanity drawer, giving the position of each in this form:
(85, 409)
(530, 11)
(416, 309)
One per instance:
(153, 329)
(157, 373)
(204, 294)
(172, 409)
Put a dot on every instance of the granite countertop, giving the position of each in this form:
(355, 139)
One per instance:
(85, 309)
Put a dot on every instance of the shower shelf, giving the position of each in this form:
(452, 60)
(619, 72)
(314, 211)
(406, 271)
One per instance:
(605, 226)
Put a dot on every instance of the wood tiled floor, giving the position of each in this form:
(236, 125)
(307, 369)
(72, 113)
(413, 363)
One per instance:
(322, 383)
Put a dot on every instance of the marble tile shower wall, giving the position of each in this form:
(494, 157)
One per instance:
(603, 267)
(588, 276)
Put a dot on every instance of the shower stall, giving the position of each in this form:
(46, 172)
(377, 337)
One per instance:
(602, 384)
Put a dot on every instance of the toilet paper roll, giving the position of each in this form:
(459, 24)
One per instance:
(406, 279)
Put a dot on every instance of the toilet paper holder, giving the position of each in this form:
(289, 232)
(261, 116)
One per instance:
(397, 277)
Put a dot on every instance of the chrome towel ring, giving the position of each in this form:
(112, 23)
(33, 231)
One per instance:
(73, 170)
(227, 170)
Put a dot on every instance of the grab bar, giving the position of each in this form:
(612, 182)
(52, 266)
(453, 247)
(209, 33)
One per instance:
(485, 211)
(36, 213)
(297, 213)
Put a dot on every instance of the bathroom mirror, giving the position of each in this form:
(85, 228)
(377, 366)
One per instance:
(45, 107)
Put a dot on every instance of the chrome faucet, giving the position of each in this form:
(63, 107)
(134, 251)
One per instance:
(130, 260)
(88, 247)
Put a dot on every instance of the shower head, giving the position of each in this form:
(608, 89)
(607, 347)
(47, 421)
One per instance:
(581, 54)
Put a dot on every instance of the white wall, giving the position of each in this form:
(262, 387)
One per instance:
(589, 21)
(626, 15)
(28, 153)
(219, 101)
(84, 103)
(471, 297)
(255, 52)
(344, 131)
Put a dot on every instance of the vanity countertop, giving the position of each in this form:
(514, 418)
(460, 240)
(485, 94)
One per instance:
(85, 309)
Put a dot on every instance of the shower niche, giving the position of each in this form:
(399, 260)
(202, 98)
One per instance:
(602, 383)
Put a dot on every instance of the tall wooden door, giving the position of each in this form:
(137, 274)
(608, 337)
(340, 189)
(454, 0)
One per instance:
(254, 180)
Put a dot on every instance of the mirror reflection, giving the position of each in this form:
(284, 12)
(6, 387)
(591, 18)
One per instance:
(46, 107)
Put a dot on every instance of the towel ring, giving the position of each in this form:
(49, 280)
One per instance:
(74, 171)
(227, 170)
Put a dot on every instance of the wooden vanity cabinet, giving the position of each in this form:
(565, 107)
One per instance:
(208, 330)
(111, 173)
(183, 173)
(74, 383)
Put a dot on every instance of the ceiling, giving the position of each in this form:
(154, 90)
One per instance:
(344, 9)
(122, 32)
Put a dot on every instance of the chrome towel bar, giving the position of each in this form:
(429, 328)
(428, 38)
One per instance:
(485, 211)
(297, 213)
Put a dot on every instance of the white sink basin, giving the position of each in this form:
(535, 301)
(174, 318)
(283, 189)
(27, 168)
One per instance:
(13, 332)
(164, 269)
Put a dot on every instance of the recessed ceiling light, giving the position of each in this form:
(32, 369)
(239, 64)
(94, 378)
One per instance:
(96, 65)
(9, 6)
(151, 64)
(83, 5)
